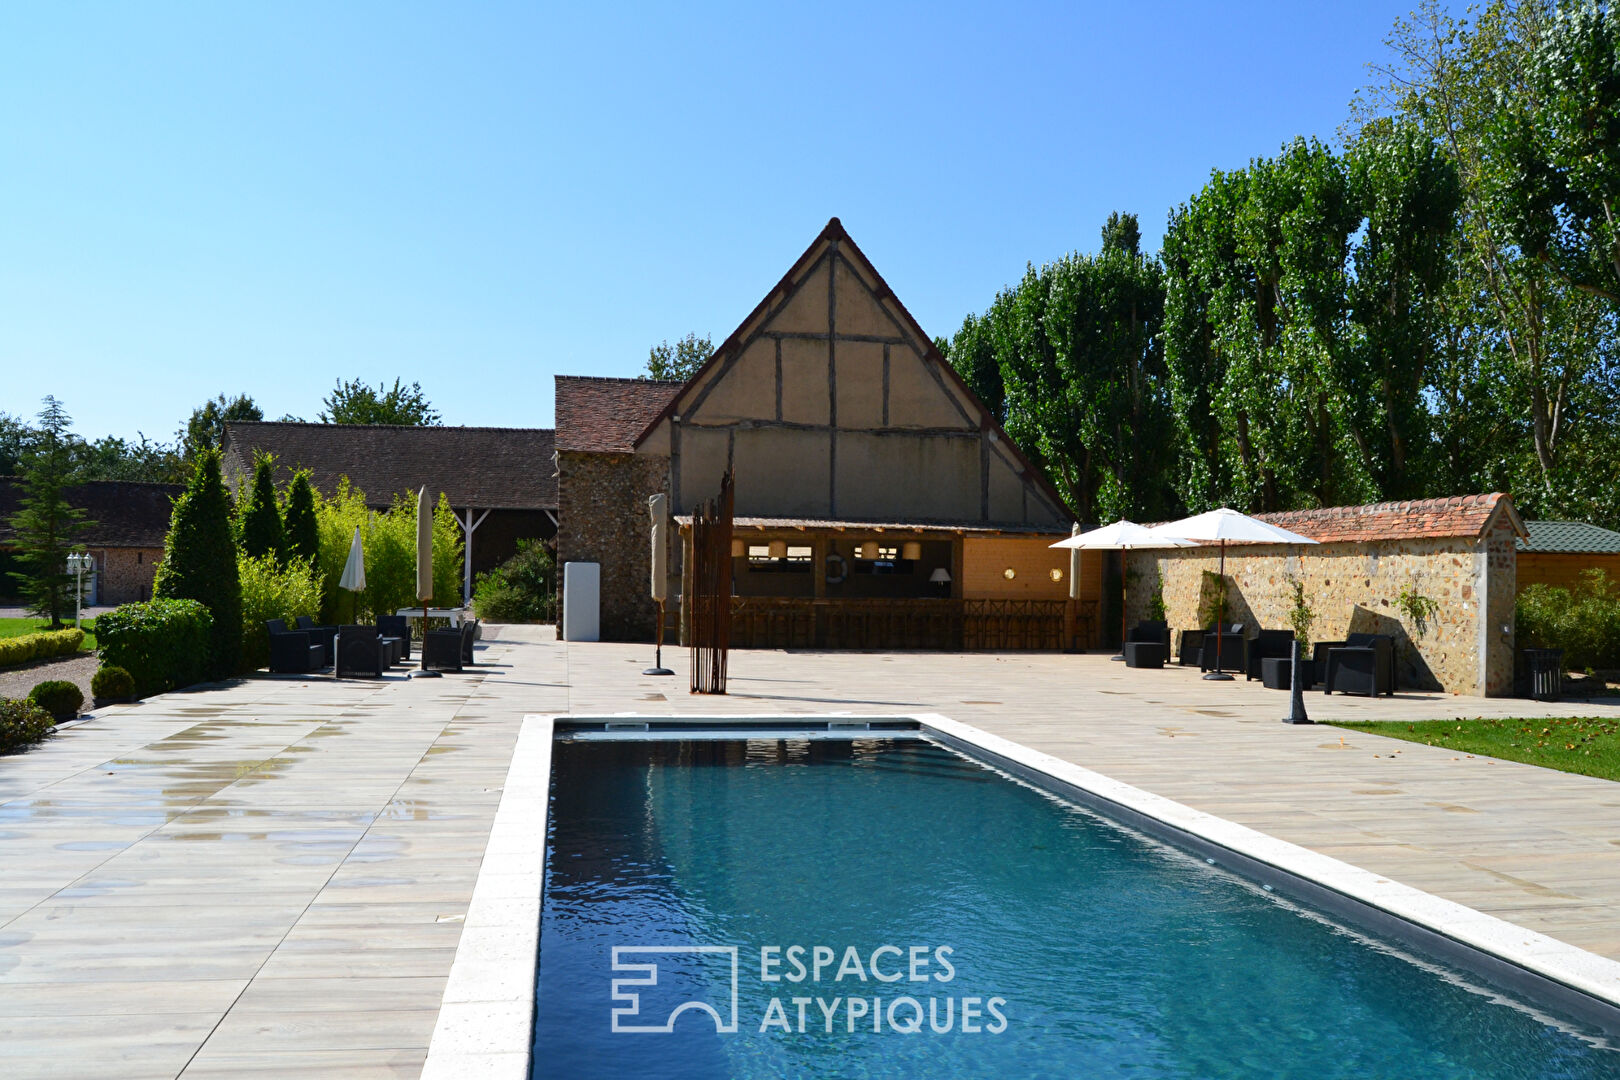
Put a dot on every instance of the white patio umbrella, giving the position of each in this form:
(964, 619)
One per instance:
(1224, 526)
(1121, 536)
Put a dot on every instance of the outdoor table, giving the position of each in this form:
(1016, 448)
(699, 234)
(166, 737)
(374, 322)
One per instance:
(453, 614)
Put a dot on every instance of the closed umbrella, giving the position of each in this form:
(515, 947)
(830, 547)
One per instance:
(354, 570)
(1120, 536)
(1222, 527)
(424, 567)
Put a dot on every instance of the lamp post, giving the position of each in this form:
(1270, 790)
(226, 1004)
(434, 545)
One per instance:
(79, 563)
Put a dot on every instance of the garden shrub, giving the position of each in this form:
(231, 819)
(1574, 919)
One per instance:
(1583, 621)
(388, 541)
(199, 563)
(111, 682)
(163, 644)
(58, 697)
(23, 723)
(41, 646)
(270, 591)
(523, 589)
(301, 531)
(258, 517)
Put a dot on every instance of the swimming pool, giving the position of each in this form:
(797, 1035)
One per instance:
(804, 904)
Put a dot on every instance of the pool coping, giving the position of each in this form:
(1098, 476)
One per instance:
(485, 1023)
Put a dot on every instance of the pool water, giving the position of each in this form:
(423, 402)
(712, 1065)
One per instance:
(1110, 955)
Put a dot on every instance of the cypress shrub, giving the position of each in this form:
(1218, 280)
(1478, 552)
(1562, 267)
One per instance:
(163, 644)
(258, 516)
(199, 563)
(302, 532)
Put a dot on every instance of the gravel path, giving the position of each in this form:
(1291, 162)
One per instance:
(16, 682)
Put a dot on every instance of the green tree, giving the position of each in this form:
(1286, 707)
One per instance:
(112, 458)
(45, 523)
(1069, 361)
(259, 517)
(679, 361)
(354, 402)
(299, 526)
(206, 428)
(199, 560)
(17, 437)
(1474, 84)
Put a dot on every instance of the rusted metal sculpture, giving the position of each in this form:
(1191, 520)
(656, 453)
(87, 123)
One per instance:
(711, 591)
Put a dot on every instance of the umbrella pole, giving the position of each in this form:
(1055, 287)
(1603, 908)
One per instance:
(1123, 591)
(1220, 621)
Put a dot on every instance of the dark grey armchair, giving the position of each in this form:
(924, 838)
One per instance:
(396, 626)
(1266, 643)
(1360, 664)
(442, 649)
(326, 635)
(291, 651)
(1227, 650)
(361, 651)
(1152, 630)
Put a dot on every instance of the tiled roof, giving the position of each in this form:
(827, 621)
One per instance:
(1464, 515)
(1574, 537)
(784, 523)
(604, 416)
(482, 467)
(125, 513)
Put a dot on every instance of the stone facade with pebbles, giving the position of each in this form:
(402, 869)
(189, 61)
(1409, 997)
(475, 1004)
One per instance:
(1458, 553)
(598, 496)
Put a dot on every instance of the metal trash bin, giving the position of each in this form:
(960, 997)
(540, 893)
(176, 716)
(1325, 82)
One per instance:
(1546, 668)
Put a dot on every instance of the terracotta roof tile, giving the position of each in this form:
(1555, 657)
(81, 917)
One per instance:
(483, 467)
(604, 416)
(1463, 515)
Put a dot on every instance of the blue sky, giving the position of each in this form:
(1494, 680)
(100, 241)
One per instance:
(210, 198)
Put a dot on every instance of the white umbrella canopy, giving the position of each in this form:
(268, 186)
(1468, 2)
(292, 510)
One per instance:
(1122, 535)
(354, 571)
(1227, 526)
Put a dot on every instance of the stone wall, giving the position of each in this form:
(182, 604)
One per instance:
(124, 575)
(1353, 588)
(602, 513)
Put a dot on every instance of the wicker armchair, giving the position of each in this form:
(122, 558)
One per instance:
(1361, 664)
(442, 650)
(396, 626)
(1266, 643)
(361, 651)
(292, 651)
(326, 635)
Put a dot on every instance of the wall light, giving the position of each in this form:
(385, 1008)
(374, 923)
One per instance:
(1009, 573)
(1055, 574)
(911, 551)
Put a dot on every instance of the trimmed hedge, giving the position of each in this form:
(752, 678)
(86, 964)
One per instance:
(23, 723)
(163, 644)
(41, 646)
(58, 697)
(111, 682)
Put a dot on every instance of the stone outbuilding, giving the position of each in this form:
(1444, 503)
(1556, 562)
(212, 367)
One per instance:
(1438, 575)
(128, 522)
(878, 503)
(500, 481)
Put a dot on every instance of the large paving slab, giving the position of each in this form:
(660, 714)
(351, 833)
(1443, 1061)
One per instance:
(268, 878)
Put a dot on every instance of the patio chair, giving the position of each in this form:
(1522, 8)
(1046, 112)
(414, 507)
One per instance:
(396, 626)
(1229, 650)
(361, 651)
(1361, 664)
(470, 632)
(326, 635)
(1151, 630)
(442, 649)
(1192, 647)
(291, 651)
(1265, 643)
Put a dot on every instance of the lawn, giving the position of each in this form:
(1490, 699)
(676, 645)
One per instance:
(17, 627)
(1589, 745)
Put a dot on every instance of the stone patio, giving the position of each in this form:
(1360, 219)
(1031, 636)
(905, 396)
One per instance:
(267, 879)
